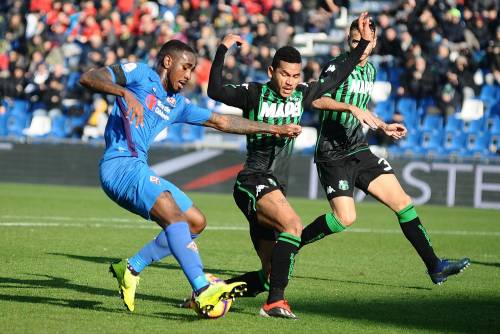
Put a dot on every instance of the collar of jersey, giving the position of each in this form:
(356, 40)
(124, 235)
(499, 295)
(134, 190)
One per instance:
(154, 77)
(271, 87)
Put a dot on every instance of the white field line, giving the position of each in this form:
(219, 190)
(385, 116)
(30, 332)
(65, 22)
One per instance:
(49, 221)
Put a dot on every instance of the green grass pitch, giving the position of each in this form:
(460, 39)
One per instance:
(56, 243)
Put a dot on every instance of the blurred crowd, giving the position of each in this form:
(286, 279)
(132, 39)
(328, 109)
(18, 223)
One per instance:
(444, 50)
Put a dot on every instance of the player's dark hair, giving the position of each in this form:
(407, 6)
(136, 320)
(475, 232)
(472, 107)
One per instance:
(172, 48)
(354, 25)
(287, 54)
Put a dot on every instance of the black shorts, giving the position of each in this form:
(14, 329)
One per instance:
(338, 177)
(247, 191)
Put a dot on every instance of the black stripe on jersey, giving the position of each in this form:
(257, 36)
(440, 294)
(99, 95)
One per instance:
(120, 78)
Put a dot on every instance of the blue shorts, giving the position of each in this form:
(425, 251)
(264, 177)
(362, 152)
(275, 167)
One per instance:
(134, 186)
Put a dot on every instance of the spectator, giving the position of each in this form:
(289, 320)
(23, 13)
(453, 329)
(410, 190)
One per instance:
(71, 36)
(419, 82)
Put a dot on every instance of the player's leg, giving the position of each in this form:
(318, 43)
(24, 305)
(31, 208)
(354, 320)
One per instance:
(387, 189)
(165, 212)
(337, 179)
(274, 211)
(158, 248)
(173, 220)
(263, 240)
(258, 281)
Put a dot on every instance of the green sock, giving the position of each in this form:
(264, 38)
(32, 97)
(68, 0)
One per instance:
(415, 232)
(321, 227)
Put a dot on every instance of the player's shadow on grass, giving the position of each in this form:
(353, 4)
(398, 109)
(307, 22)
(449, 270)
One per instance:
(363, 283)
(51, 282)
(461, 314)
(91, 305)
(488, 264)
(168, 266)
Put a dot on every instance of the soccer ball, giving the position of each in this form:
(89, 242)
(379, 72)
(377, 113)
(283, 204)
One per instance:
(220, 309)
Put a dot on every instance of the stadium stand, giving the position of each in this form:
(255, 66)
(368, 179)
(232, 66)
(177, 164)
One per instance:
(438, 64)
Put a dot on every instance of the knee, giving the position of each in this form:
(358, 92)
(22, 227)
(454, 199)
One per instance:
(294, 227)
(402, 202)
(346, 218)
(197, 222)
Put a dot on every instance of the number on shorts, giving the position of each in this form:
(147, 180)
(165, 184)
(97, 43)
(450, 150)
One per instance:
(387, 166)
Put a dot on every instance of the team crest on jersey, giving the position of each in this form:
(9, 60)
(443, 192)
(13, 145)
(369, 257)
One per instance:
(154, 179)
(343, 185)
(171, 100)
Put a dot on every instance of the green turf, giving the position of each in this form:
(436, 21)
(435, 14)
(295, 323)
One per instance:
(54, 279)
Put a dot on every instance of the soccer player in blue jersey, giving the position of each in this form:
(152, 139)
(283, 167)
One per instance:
(147, 101)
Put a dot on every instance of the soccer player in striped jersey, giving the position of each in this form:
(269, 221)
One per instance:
(344, 160)
(260, 188)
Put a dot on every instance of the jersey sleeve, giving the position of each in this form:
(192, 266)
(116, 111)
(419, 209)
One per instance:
(232, 95)
(331, 66)
(329, 83)
(128, 73)
(193, 114)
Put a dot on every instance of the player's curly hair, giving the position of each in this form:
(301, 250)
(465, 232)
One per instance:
(172, 48)
(288, 54)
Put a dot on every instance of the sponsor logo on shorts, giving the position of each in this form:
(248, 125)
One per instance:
(192, 246)
(154, 179)
(330, 190)
(343, 185)
(385, 163)
(260, 187)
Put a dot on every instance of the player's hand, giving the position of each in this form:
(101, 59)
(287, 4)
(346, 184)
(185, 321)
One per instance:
(135, 109)
(230, 39)
(288, 130)
(365, 117)
(364, 27)
(395, 130)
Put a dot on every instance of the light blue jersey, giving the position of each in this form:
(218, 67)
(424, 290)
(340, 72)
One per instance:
(160, 110)
(125, 176)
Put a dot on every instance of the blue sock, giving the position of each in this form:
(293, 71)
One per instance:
(186, 253)
(155, 250)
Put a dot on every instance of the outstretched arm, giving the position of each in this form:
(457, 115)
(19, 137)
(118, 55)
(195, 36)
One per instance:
(331, 82)
(240, 125)
(394, 130)
(101, 81)
(364, 117)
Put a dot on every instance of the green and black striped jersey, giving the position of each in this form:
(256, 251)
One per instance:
(267, 154)
(341, 133)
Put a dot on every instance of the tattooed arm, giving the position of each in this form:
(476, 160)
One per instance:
(101, 81)
(240, 125)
